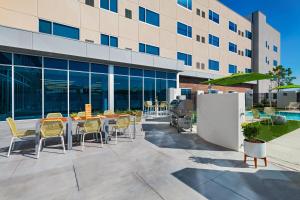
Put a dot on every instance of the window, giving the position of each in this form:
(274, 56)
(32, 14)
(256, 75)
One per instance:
(5, 90)
(203, 39)
(109, 40)
(79, 66)
(248, 53)
(186, 58)
(214, 16)
(213, 65)
(45, 26)
(198, 12)
(267, 60)
(248, 70)
(136, 93)
(149, 89)
(185, 3)
(183, 29)
(161, 89)
(145, 48)
(5, 58)
(232, 26)
(148, 16)
(214, 40)
(65, 31)
(275, 48)
(172, 75)
(275, 63)
(136, 72)
(149, 73)
(121, 70)
(89, 2)
(99, 68)
(111, 5)
(121, 92)
(248, 34)
(99, 91)
(232, 47)
(53, 63)
(203, 14)
(198, 38)
(27, 60)
(161, 74)
(128, 13)
(232, 69)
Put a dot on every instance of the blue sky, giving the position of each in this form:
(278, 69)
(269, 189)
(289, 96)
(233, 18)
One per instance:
(284, 15)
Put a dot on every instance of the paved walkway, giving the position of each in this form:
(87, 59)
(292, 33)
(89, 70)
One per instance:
(164, 166)
(286, 149)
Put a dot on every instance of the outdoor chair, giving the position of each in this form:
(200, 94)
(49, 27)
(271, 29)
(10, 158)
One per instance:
(256, 115)
(293, 106)
(79, 124)
(91, 126)
(51, 129)
(122, 123)
(163, 106)
(138, 120)
(16, 134)
(54, 115)
(149, 107)
(270, 111)
(108, 112)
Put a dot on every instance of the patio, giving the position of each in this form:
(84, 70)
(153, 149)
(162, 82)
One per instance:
(163, 165)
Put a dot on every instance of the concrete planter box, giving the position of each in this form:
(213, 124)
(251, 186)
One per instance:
(255, 150)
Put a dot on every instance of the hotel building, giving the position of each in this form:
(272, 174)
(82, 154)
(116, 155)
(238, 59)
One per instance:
(56, 56)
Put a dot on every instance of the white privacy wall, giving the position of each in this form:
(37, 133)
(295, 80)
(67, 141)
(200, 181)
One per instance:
(284, 98)
(219, 118)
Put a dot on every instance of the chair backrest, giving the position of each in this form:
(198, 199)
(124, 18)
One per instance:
(123, 122)
(256, 114)
(12, 126)
(138, 116)
(148, 103)
(163, 104)
(54, 115)
(92, 125)
(108, 112)
(52, 128)
(81, 114)
(269, 111)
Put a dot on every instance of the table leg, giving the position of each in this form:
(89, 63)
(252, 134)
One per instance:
(105, 129)
(134, 127)
(37, 136)
(69, 133)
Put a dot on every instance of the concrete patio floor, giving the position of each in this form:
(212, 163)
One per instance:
(163, 165)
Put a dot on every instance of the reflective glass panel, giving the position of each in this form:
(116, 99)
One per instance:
(161, 89)
(121, 93)
(28, 93)
(45, 26)
(149, 89)
(65, 31)
(172, 84)
(136, 72)
(99, 91)
(79, 66)
(149, 73)
(55, 63)
(5, 92)
(79, 91)
(5, 58)
(121, 70)
(55, 91)
(99, 68)
(136, 93)
(26, 60)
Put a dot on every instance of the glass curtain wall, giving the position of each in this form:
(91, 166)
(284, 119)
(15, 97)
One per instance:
(121, 87)
(136, 89)
(5, 85)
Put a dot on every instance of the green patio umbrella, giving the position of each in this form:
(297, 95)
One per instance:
(287, 87)
(238, 79)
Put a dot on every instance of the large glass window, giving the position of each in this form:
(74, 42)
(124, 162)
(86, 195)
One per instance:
(136, 93)
(145, 48)
(214, 65)
(186, 58)
(109, 40)
(55, 91)
(54, 63)
(213, 16)
(79, 91)
(65, 31)
(248, 53)
(111, 5)
(232, 47)
(5, 58)
(28, 92)
(232, 69)
(149, 89)
(148, 16)
(232, 26)
(248, 34)
(172, 84)
(185, 3)
(121, 93)
(214, 40)
(184, 29)
(27, 60)
(45, 26)
(161, 89)
(99, 92)
(5, 91)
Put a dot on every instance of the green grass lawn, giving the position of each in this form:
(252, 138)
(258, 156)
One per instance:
(269, 132)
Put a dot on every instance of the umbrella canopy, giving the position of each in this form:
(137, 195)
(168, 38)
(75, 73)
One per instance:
(287, 87)
(238, 79)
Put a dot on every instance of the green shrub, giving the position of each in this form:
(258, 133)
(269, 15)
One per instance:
(251, 130)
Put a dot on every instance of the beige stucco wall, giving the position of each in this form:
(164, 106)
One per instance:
(93, 21)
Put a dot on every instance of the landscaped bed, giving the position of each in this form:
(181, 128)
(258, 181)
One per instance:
(269, 132)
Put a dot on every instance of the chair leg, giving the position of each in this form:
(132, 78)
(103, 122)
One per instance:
(63, 143)
(39, 148)
(116, 137)
(101, 139)
(82, 144)
(10, 146)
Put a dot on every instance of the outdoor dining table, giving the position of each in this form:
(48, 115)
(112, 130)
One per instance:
(106, 120)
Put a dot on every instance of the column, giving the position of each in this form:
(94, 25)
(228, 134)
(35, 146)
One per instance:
(111, 87)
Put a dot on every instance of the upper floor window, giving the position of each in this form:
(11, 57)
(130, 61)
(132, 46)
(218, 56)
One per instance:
(248, 70)
(89, 2)
(183, 29)
(275, 48)
(214, 16)
(248, 53)
(148, 16)
(232, 69)
(58, 29)
(186, 58)
(109, 40)
(213, 65)
(248, 34)
(214, 40)
(232, 26)
(111, 5)
(232, 47)
(128, 13)
(185, 3)
(275, 63)
(150, 49)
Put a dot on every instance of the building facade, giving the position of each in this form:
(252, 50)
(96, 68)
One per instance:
(117, 54)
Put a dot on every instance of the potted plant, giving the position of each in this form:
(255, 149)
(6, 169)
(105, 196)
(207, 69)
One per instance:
(254, 147)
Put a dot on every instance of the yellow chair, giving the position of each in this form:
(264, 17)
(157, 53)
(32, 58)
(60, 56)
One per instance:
(51, 129)
(108, 112)
(149, 107)
(79, 124)
(54, 115)
(16, 134)
(123, 122)
(138, 120)
(91, 126)
(270, 111)
(163, 106)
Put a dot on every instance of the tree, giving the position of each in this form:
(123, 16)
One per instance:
(282, 75)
